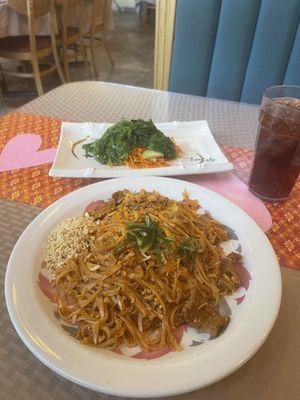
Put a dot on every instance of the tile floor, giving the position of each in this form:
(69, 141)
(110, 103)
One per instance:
(132, 48)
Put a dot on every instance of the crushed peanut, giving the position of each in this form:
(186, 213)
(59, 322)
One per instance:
(69, 239)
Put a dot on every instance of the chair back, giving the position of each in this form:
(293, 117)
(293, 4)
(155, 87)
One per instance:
(64, 9)
(35, 8)
(233, 49)
(99, 8)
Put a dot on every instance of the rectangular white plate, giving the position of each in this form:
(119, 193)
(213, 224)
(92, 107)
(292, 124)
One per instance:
(201, 154)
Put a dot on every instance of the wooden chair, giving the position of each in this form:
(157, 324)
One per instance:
(99, 7)
(32, 48)
(70, 36)
(148, 7)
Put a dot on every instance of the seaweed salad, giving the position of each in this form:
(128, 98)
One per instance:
(132, 142)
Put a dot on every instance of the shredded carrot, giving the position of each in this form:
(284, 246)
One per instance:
(136, 160)
(178, 150)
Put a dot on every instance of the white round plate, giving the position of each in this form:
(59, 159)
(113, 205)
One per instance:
(176, 372)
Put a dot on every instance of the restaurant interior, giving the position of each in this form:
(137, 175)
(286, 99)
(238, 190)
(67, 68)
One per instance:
(149, 199)
(129, 58)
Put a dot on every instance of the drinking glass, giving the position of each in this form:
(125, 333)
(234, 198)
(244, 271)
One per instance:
(277, 157)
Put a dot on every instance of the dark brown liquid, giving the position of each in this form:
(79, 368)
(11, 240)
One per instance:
(277, 158)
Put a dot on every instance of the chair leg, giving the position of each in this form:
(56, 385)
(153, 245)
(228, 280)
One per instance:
(58, 66)
(145, 12)
(106, 47)
(93, 56)
(26, 65)
(1, 97)
(3, 82)
(37, 76)
(83, 54)
(66, 62)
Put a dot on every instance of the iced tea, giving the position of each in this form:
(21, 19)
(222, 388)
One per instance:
(277, 158)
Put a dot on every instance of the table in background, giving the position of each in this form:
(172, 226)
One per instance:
(14, 24)
(273, 373)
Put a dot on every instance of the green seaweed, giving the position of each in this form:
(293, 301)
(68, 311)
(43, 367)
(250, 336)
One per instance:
(120, 139)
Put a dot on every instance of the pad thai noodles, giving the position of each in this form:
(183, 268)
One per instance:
(133, 269)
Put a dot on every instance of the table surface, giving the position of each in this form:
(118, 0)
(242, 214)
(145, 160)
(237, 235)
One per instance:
(273, 372)
(231, 123)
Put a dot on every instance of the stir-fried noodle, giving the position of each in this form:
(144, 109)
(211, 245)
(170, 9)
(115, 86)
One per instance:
(143, 266)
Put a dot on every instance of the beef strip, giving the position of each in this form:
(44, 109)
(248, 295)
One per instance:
(228, 273)
(119, 196)
(101, 210)
(205, 318)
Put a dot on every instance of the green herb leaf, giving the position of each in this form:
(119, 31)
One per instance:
(120, 139)
(188, 250)
(148, 237)
(163, 144)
